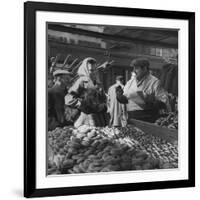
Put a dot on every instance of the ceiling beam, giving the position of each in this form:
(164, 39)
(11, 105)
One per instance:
(121, 39)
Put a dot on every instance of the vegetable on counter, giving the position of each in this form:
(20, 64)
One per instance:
(93, 149)
(170, 120)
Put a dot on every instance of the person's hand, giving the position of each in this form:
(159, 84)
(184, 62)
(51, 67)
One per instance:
(119, 95)
(148, 98)
(105, 64)
(119, 90)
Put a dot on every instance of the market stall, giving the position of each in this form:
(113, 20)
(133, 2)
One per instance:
(139, 145)
(92, 149)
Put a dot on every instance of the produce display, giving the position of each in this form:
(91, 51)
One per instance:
(170, 120)
(93, 149)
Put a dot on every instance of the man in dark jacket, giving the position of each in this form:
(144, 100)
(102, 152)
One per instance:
(56, 101)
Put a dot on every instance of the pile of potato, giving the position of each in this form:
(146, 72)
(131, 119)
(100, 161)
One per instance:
(168, 121)
(91, 149)
(156, 147)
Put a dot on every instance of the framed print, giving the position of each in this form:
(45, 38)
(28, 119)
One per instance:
(109, 99)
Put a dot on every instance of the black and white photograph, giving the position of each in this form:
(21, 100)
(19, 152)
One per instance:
(112, 98)
(109, 98)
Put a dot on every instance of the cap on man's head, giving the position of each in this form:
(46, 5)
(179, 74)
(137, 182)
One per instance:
(140, 62)
(61, 72)
(119, 78)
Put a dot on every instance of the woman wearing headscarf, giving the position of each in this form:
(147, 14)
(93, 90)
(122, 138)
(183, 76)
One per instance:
(84, 96)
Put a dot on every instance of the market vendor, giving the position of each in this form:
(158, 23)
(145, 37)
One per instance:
(143, 94)
(84, 96)
(56, 96)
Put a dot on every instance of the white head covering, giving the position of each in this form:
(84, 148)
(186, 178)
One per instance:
(83, 69)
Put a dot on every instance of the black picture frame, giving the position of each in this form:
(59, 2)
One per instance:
(30, 9)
